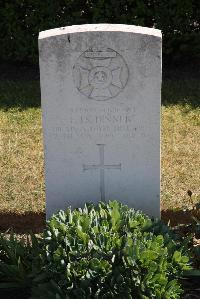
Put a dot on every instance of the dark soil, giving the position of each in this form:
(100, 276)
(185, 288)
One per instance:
(14, 294)
(176, 217)
(35, 222)
(23, 223)
(192, 295)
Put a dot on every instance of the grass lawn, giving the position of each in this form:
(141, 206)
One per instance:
(21, 154)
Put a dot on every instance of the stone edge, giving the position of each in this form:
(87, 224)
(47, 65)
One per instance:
(100, 27)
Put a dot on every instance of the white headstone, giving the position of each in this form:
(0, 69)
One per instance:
(100, 89)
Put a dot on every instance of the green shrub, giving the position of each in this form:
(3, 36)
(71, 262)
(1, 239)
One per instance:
(108, 251)
(18, 263)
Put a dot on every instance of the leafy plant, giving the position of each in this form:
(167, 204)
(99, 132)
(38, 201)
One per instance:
(16, 262)
(108, 251)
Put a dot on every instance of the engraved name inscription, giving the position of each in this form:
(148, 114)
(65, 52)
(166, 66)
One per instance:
(90, 123)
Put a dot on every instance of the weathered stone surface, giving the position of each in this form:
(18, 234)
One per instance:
(100, 89)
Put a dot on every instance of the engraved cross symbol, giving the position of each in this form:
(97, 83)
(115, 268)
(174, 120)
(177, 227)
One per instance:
(101, 166)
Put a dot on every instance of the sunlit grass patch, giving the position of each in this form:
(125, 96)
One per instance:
(21, 155)
(180, 155)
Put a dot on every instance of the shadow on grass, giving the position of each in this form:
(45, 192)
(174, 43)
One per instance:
(181, 91)
(20, 86)
(180, 84)
(26, 94)
(21, 224)
(19, 94)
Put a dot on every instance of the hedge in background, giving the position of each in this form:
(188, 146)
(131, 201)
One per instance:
(21, 20)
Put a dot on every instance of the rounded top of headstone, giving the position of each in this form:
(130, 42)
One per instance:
(100, 27)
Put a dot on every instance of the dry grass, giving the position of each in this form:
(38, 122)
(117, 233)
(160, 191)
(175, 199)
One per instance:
(21, 156)
(21, 151)
(180, 156)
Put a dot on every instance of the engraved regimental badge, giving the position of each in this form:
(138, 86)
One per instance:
(100, 74)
